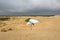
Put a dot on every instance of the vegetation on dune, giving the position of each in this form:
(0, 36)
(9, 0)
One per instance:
(10, 29)
(27, 19)
(4, 19)
(3, 30)
(2, 24)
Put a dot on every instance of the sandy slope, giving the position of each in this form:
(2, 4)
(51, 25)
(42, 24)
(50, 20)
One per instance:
(47, 29)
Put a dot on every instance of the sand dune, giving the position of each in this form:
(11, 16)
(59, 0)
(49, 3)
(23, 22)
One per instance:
(47, 29)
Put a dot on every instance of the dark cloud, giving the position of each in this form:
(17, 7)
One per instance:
(29, 7)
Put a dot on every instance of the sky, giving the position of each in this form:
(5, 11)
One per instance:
(29, 7)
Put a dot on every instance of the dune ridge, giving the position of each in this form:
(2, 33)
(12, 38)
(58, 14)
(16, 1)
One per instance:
(47, 29)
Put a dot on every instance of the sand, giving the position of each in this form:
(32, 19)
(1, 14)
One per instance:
(47, 29)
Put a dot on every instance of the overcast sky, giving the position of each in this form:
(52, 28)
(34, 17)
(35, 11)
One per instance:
(29, 7)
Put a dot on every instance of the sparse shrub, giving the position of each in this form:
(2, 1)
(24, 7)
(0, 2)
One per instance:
(10, 29)
(3, 30)
(2, 24)
(4, 19)
(27, 19)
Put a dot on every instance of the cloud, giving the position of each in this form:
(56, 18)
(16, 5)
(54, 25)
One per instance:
(29, 6)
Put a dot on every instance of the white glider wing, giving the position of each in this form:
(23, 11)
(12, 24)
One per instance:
(33, 21)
